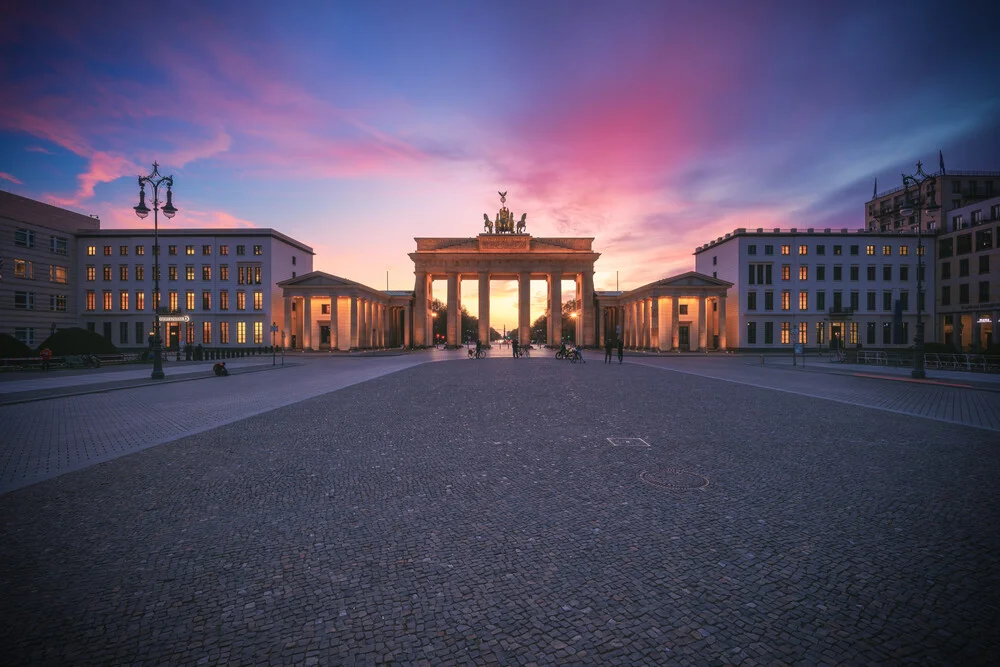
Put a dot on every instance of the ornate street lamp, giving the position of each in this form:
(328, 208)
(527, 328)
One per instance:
(911, 205)
(155, 180)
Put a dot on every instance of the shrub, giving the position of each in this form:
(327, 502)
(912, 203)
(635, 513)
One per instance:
(77, 341)
(12, 347)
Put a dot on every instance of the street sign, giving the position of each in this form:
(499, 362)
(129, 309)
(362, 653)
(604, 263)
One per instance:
(175, 318)
(274, 328)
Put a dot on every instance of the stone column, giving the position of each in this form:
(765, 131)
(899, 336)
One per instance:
(602, 314)
(484, 307)
(654, 323)
(523, 307)
(355, 308)
(589, 325)
(407, 317)
(702, 326)
(421, 326)
(675, 323)
(307, 328)
(288, 321)
(647, 326)
(454, 329)
(334, 326)
(722, 323)
(555, 309)
(370, 322)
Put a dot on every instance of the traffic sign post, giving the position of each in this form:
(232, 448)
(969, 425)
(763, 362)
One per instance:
(274, 352)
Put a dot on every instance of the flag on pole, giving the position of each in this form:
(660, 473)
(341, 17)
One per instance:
(875, 190)
(941, 161)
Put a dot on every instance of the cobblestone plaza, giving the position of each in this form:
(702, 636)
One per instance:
(669, 510)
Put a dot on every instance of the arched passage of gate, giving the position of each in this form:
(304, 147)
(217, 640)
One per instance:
(492, 256)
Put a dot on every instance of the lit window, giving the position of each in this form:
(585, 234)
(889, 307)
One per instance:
(140, 272)
(786, 272)
(224, 300)
(57, 303)
(224, 272)
(189, 250)
(123, 251)
(206, 300)
(108, 300)
(23, 269)
(171, 272)
(58, 274)
(887, 250)
(258, 300)
(140, 250)
(870, 250)
(140, 300)
(256, 275)
(803, 250)
(107, 251)
(91, 250)
(786, 300)
(172, 302)
(189, 300)
(241, 332)
(258, 250)
(206, 272)
(123, 299)
(786, 329)
(803, 273)
(258, 333)
(223, 250)
(171, 250)
(241, 300)
(91, 300)
(786, 250)
(803, 300)
(206, 333)
(123, 272)
(189, 272)
(106, 270)
(224, 333)
(206, 250)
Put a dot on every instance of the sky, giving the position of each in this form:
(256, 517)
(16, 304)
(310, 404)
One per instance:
(354, 127)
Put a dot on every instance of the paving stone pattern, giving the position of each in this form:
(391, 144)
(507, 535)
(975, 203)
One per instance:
(476, 513)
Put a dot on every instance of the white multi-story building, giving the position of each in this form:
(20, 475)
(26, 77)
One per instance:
(813, 286)
(38, 273)
(220, 282)
(968, 276)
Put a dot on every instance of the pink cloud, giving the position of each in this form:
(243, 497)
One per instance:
(12, 179)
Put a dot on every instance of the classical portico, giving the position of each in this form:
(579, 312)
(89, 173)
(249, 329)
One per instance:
(326, 312)
(686, 312)
(492, 256)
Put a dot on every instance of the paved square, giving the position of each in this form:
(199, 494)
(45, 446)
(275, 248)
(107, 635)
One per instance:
(474, 513)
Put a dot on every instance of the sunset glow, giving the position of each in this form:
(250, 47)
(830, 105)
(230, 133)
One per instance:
(355, 127)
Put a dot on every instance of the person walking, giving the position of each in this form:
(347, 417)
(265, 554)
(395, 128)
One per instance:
(513, 347)
(621, 349)
(608, 343)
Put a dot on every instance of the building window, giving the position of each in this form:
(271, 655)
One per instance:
(751, 333)
(58, 245)
(123, 272)
(91, 300)
(786, 330)
(241, 330)
(945, 295)
(870, 250)
(123, 299)
(206, 300)
(91, 273)
(172, 302)
(171, 272)
(963, 268)
(768, 300)
(820, 333)
(904, 250)
(984, 264)
(224, 333)
(224, 272)
(803, 273)
(140, 332)
(786, 250)
(768, 249)
(23, 269)
(870, 273)
(223, 300)
(91, 250)
(887, 301)
(26, 335)
(715, 260)
(293, 256)
(258, 333)
(189, 300)
(751, 300)
(872, 298)
(189, 250)
(258, 250)
(886, 250)
(24, 238)
(821, 250)
(904, 273)
(984, 291)
(768, 333)
(786, 272)
(206, 333)
(171, 250)
(140, 272)
(854, 250)
(123, 333)
(838, 272)
(786, 300)
(140, 250)
(58, 274)
(256, 275)
(821, 300)
(751, 250)
(984, 239)
(855, 301)
(107, 251)
(108, 300)
(855, 272)
(156, 299)
(206, 250)
(803, 300)
(140, 300)
(206, 272)
(241, 250)
(887, 272)
(945, 270)
(324, 309)
(189, 272)
(682, 309)
(223, 250)
(189, 333)
(838, 250)
(57, 303)
(870, 333)
(241, 300)
(106, 271)
(760, 274)
(821, 272)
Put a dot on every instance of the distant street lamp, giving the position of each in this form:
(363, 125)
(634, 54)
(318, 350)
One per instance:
(909, 206)
(155, 180)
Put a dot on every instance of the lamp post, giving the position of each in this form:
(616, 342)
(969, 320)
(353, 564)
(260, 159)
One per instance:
(909, 206)
(155, 180)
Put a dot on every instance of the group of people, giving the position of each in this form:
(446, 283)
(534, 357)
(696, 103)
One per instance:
(609, 346)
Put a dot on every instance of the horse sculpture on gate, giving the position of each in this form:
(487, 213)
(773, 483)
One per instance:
(504, 222)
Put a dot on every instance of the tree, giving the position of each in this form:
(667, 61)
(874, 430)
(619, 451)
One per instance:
(540, 327)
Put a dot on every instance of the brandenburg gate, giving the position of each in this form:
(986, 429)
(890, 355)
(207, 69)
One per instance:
(504, 251)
